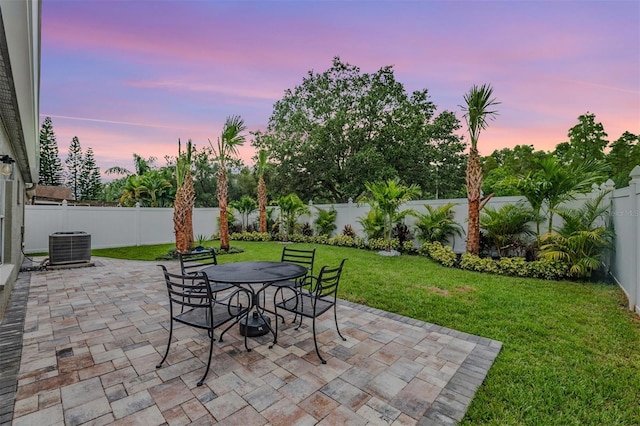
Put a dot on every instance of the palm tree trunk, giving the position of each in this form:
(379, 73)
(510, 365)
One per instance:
(190, 198)
(222, 203)
(474, 186)
(262, 204)
(182, 215)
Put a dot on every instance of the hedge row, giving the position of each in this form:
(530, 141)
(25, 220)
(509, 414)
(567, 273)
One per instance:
(513, 266)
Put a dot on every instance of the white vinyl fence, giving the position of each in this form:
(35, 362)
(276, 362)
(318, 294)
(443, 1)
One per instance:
(134, 226)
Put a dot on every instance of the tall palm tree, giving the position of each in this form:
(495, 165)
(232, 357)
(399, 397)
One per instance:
(226, 149)
(479, 102)
(261, 165)
(184, 201)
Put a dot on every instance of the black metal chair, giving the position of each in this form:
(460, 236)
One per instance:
(299, 257)
(194, 262)
(313, 298)
(200, 309)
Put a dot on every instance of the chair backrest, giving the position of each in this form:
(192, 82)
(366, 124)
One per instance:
(328, 280)
(193, 262)
(300, 257)
(189, 290)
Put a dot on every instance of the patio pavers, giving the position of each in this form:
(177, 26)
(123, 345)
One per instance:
(92, 337)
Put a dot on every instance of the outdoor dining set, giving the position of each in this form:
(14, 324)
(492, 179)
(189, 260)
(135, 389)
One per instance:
(209, 296)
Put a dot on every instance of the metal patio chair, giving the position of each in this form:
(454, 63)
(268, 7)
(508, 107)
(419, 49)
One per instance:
(313, 298)
(199, 308)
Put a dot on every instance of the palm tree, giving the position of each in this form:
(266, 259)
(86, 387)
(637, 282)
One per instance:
(291, 206)
(131, 190)
(582, 239)
(155, 189)
(227, 148)
(184, 201)
(325, 222)
(505, 226)
(245, 206)
(438, 224)
(388, 197)
(477, 111)
(563, 182)
(261, 165)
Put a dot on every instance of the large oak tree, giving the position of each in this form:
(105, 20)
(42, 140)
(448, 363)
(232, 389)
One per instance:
(342, 128)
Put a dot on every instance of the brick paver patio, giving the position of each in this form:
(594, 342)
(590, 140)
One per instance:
(92, 337)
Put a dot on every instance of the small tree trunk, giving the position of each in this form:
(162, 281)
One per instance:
(222, 203)
(262, 202)
(474, 187)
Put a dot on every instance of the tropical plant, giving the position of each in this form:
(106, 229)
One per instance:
(130, 191)
(348, 231)
(388, 197)
(507, 226)
(155, 189)
(478, 109)
(372, 224)
(582, 239)
(226, 149)
(184, 200)
(437, 224)
(261, 165)
(554, 183)
(245, 206)
(325, 222)
(291, 207)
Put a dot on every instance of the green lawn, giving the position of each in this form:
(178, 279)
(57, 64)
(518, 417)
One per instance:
(571, 351)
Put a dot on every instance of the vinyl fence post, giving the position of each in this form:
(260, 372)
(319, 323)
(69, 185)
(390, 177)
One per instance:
(634, 294)
(138, 224)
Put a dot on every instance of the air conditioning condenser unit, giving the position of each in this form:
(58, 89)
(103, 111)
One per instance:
(69, 247)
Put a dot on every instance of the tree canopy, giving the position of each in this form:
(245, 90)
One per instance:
(342, 128)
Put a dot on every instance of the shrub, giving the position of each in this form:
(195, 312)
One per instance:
(306, 229)
(342, 240)
(348, 231)
(325, 223)
(382, 244)
(516, 266)
(438, 224)
(408, 247)
(472, 262)
(250, 236)
(444, 255)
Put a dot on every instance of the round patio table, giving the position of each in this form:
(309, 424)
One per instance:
(256, 277)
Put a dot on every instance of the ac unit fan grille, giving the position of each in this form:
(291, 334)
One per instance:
(69, 247)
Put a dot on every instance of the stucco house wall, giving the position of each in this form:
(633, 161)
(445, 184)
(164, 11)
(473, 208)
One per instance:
(19, 129)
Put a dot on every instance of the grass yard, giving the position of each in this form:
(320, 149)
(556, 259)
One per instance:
(571, 351)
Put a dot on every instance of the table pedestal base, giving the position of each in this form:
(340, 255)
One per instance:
(254, 325)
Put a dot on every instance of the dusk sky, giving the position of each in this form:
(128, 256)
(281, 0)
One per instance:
(134, 76)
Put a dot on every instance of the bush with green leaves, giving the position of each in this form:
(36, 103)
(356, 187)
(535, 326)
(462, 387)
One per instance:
(250, 236)
(373, 223)
(383, 244)
(519, 267)
(583, 238)
(408, 247)
(472, 262)
(291, 207)
(444, 255)
(438, 224)
(507, 227)
(325, 222)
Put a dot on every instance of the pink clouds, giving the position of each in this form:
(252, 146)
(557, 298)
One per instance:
(138, 75)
